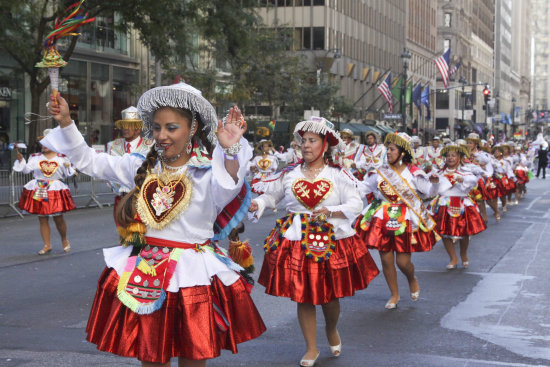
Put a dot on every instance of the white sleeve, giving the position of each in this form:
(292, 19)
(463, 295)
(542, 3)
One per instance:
(22, 166)
(70, 142)
(424, 186)
(271, 197)
(469, 182)
(224, 188)
(368, 185)
(350, 200)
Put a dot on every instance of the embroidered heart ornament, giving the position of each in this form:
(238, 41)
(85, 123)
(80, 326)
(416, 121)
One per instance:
(311, 193)
(48, 168)
(158, 204)
(264, 163)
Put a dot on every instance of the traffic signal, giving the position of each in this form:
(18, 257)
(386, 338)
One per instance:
(542, 114)
(486, 95)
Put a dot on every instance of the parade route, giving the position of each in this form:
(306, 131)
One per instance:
(495, 313)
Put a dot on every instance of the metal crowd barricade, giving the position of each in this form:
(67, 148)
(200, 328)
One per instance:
(81, 185)
(17, 182)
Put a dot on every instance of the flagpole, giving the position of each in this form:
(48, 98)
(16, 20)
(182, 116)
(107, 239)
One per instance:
(372, 86)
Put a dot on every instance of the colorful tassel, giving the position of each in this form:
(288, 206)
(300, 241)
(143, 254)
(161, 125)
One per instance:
(241, 253)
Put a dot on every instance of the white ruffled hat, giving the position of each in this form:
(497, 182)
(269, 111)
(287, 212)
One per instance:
(179, 95)
(322, 126)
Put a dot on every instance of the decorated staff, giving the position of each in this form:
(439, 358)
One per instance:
(63, 27)
(313, 255)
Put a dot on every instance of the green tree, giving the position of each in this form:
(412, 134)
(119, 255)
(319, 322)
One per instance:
(168, 27)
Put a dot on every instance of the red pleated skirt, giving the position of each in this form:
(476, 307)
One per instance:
(467, 224)
(183, 327)
(287, 272)
(522, 177)
(495, 187)
(377, 237)
(511, 186)
(482, 187)
(59, 201)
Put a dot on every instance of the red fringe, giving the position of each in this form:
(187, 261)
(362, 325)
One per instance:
(59, 201)
(286, 272)
(183, 327)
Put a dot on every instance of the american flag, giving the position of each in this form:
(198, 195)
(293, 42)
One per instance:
(384, 88)
(442, 63)
(455, 68)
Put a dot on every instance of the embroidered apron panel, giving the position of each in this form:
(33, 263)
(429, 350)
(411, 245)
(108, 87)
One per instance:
(40, 193)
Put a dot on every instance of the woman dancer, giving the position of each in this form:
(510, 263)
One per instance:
(46, 195)
(396, 223)
(313, 255)
(167, 291)
(456, 214)
(264, 163)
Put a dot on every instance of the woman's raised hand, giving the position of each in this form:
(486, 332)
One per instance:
(59, 109)
(232, 128)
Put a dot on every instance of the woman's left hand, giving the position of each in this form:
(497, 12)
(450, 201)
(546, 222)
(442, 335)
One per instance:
(234, 128)
(321, 211)
(434, 178)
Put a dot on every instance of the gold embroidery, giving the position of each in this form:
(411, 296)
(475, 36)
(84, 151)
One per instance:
(159, 204)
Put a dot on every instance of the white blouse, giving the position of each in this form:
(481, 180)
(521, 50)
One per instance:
(418, 181)
(63, 169)
(344, 197)
(463, 188)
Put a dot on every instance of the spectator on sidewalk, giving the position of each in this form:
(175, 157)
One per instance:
(543, 159)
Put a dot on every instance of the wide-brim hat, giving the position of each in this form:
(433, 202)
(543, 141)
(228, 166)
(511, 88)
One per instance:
(415, 139)
(373, 133)
(259, 144)
(179, 95)
(321, 126)
(474, 138)
(346, 132)
(402, 140)
(461, 149)
(130, 119)
(44, 133)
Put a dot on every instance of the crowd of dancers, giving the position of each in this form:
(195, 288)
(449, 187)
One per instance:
(190, 180)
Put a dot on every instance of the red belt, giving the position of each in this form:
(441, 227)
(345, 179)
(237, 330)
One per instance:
(175, 244)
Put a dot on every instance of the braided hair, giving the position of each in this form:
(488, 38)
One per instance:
(126, 210)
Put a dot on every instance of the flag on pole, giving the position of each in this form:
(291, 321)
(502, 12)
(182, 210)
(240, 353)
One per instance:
(384, 88)
(416, 97)
(455, 68)
(442, 63)
(425, 99)
(272, 124)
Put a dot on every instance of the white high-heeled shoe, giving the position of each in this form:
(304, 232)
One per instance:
(335, 350)
(309, 362)
(392, 305)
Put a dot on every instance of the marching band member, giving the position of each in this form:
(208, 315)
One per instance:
(313, 255)
(370, 156)
(396, 222)
(131, 142)
(455, 213)
(348, 154)
(168, 291)
(46, 195)
(433, 153)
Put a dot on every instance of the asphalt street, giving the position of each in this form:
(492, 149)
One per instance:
(496, 313)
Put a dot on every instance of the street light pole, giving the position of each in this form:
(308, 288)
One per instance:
(463, 81)
(513, 115)
(405, 56)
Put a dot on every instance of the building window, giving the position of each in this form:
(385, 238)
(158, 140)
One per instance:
(442, 100)
(446, 45)
(319, 38)
(447, 20)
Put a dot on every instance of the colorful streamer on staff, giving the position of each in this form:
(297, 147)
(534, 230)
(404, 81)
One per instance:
(63, 27)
